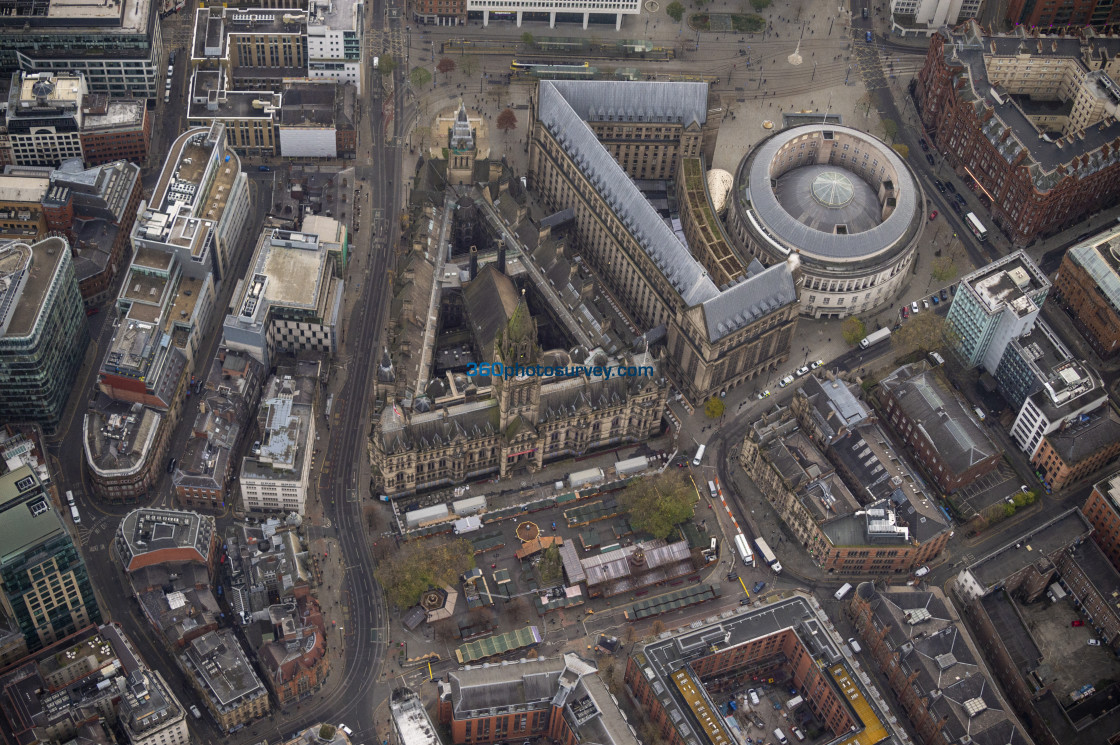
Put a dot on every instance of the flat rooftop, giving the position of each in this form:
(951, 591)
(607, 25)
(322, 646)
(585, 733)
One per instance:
(1010, 283)
(1099, 256)
(224, 104)
(1030, 548)
(28, 521)
(118, 114)
(288, 270)
(151, 530)
(221, 666)
(30, 271)
(28, 188)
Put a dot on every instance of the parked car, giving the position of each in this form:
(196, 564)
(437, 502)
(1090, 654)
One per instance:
(950, 187)
(922, 144)
(1094, 642)
(785, 381)
(929, 157)
(934, 298)
(349, 732)
(758, 586)
(952, 289)
(914, 307)
(944, 295)
(960, 199)
(195, 712)
(763, 394)
(921, 571)
(816, 364)
(803, 370)
(905, 312)
(752, 694)
(1077, 623)
(933, 215)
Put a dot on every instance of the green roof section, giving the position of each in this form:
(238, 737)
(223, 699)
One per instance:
(27, 515)
(495, 645)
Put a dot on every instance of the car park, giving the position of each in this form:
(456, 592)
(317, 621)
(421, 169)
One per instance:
(763, 394)
(816, 364)
(785, 381)
(939, 186)
(803, 370)
(914, 307)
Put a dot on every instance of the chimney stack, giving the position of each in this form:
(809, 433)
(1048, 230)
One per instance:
(501, 256)
(473, 266)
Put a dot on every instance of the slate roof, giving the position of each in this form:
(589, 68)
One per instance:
(565, 107)
(490, 301)
(1080, 441)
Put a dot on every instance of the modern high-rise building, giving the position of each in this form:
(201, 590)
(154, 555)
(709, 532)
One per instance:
(994, 305)
(116, 45)
(43, 331)
(44, 584)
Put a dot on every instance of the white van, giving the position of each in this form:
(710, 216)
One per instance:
(780, 737)
(855, 645)
(799, 734)
(712, 490)
(844, 590)
(699, 455)
(753, 696)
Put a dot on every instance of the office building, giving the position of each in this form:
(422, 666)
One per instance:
(561, 698)
(118, 47)
(218, 669)
(226, 401)
(275, 475)
(334, 43)
(317, 121)
(939, 427)
(114, 129)
(45, 585)
(157, 537)
(844, 203)
(440, 12)
(1103, 15)
(986, 103)
(1093, 585)
(920, 645)
(290, 300)
(994, 305)
(43, 331)
(1079, 449)
(676, 678)
(199, 205)
(95, 209)
(856, 508)
(1029, 361)
(21, 206)
(576, 12)
(1102, 509)
(924, 17)
(124, 446)
(1071, 392)
(294, 653)
(149, 712)
(717, 336)
(1087, 286)
(411, 722)
(253, 47)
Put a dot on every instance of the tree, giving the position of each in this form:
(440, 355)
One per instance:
(469, 65)
(922, 332)
(659, 503)
(445, 65)
(943, 268)
(386, 65)
(890, 129)
(507, 120)
(419, 77)
(714, 407)
(551, 566)
(528, 40)
(418, 565)
(675, 11)
(853, 330)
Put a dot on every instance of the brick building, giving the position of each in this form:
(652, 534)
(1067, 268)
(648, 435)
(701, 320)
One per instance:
(440, 12)
(920, 646)
(1094, 583)
(1098, 13)
(151, 537)
(295, 660)
(1029, 119)
(790, 642)
(1102, 508)
(1087, 286)
(115, 129)
(938, 426)
(561, 698)
(1078, 450)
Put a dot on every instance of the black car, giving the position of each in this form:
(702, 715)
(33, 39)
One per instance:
(922, 144)
(952, 289)
(950, 187)
(939, 186)
(960, 199)
(956, 207)
(944, 295)
(930, 159)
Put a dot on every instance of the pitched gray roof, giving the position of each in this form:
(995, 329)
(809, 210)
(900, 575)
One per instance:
(564, 107)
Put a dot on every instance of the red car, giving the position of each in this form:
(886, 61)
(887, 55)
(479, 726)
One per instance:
(933, 215)
(905, 312)
(1078, 622)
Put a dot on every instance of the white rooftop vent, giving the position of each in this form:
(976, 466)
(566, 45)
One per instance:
(975, 706)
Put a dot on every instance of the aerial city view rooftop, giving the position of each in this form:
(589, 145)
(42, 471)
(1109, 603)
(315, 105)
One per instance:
(473, 372)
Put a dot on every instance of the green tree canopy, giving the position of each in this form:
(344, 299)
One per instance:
(714, 407)
(386, 65)
(528, 40)
(675, 10)
(407, 573)
(890, 129)
(853, 329)
(659, 503)
(419, 77)
(924, 331)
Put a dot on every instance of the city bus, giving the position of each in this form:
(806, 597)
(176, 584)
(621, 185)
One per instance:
(976, 226)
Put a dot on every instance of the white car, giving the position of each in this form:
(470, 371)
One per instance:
(753, 695)
(764, 394)
(925, 303)
(785, 381)
(914, 307)
(921, 571)
(815, 365)
(1094, 642)
(802, 371)
(349, 732)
